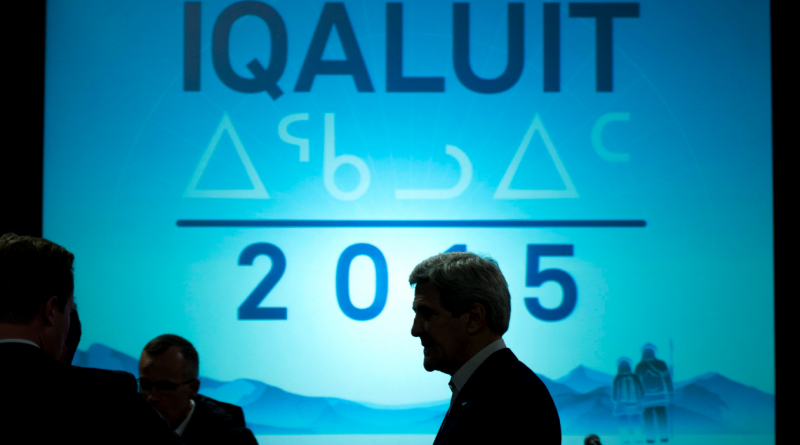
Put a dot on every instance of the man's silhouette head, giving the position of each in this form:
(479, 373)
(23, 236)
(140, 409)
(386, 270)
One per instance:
(591, 439)
(462, 304)
(168, 371)
(36, 287)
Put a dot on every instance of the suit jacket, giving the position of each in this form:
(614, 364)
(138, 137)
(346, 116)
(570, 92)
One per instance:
(44, 401)
(502, 402)
(212, 423)
(233, 410)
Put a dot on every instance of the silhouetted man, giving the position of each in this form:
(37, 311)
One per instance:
(44, 400)
(462, 307)
(168, 371)
(657, 384)
(592, 439)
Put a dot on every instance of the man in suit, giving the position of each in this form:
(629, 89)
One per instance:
(462, 307)
(44, 400)
(168, 379)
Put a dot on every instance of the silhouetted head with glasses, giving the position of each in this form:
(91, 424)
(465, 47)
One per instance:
(168, 370)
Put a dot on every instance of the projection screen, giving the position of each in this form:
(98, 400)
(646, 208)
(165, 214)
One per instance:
(261, 178)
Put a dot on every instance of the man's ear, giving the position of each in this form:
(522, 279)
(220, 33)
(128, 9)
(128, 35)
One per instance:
(49, 311)
(477, 318)
(194, 387)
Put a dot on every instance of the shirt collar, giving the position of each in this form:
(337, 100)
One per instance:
(463, 374)
(19, 340)
(182, 427)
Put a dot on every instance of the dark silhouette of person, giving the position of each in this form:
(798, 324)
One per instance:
(73, 338)
(592, 439)
(627, 393)
(657, 384)
(462, 307)
(168, 379)
(49, 401)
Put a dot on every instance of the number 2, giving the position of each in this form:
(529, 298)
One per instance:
(249, 309)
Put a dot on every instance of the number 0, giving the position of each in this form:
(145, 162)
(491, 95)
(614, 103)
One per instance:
(343, 282)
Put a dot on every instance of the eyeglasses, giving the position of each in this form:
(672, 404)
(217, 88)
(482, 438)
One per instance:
(163, 387)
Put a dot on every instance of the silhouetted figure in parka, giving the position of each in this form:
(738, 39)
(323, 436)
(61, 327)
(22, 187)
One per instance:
(657, 384)
(627, 393)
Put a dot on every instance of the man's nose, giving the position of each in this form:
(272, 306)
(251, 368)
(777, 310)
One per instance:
(151, 396)
(416, 328)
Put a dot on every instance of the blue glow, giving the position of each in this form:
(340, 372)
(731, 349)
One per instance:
(159, 174)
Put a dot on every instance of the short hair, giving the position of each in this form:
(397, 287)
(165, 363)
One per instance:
(32, 270)
(163, 343)
(464, 278)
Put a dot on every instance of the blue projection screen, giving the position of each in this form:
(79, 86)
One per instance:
(261, 178)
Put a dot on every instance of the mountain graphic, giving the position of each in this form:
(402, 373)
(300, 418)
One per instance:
(708, 404)
(271, 410)
(744, 409)
(555, 388)
(583, 379)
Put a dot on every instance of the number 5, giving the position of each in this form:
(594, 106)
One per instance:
(535, 278)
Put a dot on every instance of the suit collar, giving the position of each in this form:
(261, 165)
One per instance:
(483, 377)
(182, 427)
(22, 349)
(463, 374)
(486, 374)
(19, 340)
(22, 356)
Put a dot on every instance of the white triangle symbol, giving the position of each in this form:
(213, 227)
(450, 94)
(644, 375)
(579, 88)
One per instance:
(257, 192)
(505, 192)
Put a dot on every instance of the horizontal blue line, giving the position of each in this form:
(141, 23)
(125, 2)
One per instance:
(480, 223)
